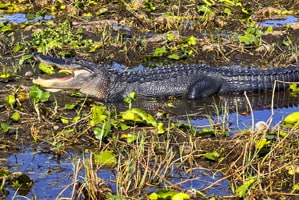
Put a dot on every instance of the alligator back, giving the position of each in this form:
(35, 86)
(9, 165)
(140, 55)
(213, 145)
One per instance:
(195, 81)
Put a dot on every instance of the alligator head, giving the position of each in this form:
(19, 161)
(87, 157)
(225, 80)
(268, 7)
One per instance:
(86, 76)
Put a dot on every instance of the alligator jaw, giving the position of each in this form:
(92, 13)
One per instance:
(73, 81)
(78, 77)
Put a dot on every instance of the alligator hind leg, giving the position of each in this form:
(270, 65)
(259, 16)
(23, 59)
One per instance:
(204, 88)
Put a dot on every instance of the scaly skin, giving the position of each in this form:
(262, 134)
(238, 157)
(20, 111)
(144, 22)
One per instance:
(191, 81)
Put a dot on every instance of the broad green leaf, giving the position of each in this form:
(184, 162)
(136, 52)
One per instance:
(5, 75)
(169, 37)
(64, 120)
(204, 9)
(296, 187)
(292, 118)
(15, 116)
(101, 11)
(287, 42)
(160, 51)
(138, 115)
(168, 194)
(153, 196)
(174, 56)
(161, 128)
(259, 144)
(6, 28)
(212, 155)
(205, 131)
(102, 130)
(106, 157)
(268, 30)
(124, 127)
(95, 46)
(191, 40)
(242, 190)
(5, 128)
(209, 2)
(133, 95)
(228, 2)
(24, 58)
(37, 95)
(10, 100)
(69, 106)
(48, 69)
(129, 137)
(76, 119)
(294, 88)
(3, 6)
(98, 115)
(227, 11)
(17, 48)
(180, 196)
(248, 39)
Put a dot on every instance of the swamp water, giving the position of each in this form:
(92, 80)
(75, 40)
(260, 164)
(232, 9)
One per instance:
(52, 174)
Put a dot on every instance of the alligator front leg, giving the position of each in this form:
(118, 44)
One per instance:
(204, 87)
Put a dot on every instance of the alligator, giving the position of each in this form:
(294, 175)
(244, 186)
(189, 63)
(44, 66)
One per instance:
(185, 80)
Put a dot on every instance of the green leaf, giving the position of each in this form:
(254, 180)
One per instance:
(241, 190)
(76, 119)
(5, 128)
(168, 194)
(64, 120)
(174, 56)
(98, 115)
(292, 118)
(259, 144)
(106, 157)
(95, 46)
(48, 69)
(287, 42)
(69, 106)
(5, 75)
(191, 40)
(129, 137)
(180, 196)
(15, 116)
(24, 58)
(102, 130)
(138, 115)
(212, 155)
(101, 11)
(6, 28)
(295, 187)
(227, 11)
(294, 88)
(169, 37)
(204, 9)
(17, 48)
(10, 100)
(37, 95)
(3, 6)
(160, 51)
(161, 128)
(209, 2)
(248, 39)
(124, 127)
